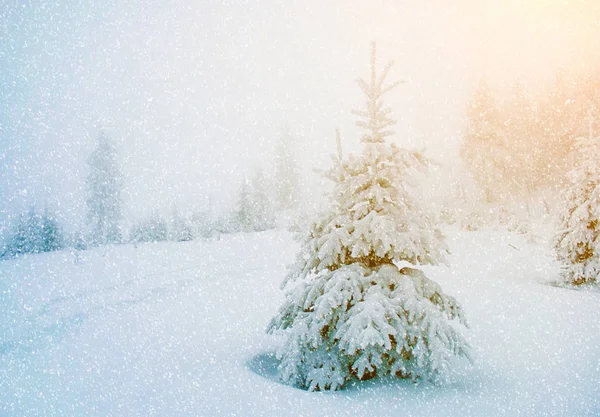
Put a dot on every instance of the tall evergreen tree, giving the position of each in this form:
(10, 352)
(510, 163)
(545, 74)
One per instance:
(104, 185)
(354, 309)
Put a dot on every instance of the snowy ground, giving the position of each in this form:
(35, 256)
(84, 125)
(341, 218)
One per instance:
(178, 329)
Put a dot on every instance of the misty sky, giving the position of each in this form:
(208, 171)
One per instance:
(197, 92)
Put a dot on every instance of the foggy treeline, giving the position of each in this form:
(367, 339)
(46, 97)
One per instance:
(518, 143)
(261, 200)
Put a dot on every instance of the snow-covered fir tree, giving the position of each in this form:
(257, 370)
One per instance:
(104, 184)
(357, 306)
(577, 243)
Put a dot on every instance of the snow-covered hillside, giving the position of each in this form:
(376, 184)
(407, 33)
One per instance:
(178, 329)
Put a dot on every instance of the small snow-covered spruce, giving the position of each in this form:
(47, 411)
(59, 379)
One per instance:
(352, 311)
(577, 242)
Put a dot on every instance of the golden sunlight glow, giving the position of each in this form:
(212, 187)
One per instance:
(529, 38)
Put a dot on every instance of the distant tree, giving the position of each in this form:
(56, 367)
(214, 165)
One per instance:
(152, 229)
(33, 233)
(51, 236)
(360, 308)
(560, 122)
(104, 185)
(483, 146)
(262, 206)
(203, 224)
(78, 241)
(577, 243)
(225, 223)
(522, 168)
(244, 210)
(180, 230)
(19, 241)
(286, 180)
(254, 210)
